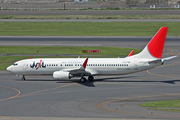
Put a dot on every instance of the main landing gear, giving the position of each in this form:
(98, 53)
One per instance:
(83, 79)
(90, 78)
(23, 78)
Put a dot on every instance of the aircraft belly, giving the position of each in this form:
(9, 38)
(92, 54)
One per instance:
(36, 72)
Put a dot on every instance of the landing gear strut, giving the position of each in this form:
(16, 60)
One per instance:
(23, 78)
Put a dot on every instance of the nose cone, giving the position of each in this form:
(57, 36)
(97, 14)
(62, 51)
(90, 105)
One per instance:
(9, 68)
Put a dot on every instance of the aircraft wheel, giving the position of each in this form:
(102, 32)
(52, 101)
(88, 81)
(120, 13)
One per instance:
(83, 79)
(91, 78)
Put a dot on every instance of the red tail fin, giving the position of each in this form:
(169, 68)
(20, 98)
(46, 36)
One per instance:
(156, 44)
(154, 48)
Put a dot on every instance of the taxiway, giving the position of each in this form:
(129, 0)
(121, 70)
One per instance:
(109, 97)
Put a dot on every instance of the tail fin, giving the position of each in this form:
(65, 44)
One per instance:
(154, 48)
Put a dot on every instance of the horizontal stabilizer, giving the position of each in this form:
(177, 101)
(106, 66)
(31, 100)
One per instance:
(168, 58)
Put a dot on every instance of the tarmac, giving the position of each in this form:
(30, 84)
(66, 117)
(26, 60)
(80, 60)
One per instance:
(88, 12)
(107, 98)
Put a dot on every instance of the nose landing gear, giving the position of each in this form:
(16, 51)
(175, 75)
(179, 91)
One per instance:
(23, 78)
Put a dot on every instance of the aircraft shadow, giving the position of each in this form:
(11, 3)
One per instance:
(136, 81)
(110, 79)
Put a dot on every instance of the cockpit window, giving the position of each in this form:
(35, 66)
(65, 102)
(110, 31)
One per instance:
(15, 64)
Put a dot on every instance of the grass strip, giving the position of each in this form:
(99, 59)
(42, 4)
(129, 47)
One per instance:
(161, 109)
(133, 16)
(170, 103)
(86, 28)
(106, 52)
(165, 105)
(110, 51)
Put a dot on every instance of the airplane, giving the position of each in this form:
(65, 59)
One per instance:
(67, 68)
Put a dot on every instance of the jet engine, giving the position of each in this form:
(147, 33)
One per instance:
(62, 75)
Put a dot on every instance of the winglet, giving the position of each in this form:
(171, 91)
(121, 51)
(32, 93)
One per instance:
(131, 53)
(85, 63)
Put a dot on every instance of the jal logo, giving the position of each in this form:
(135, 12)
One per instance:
(38, 65)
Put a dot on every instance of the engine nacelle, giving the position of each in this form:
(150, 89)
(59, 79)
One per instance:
(62, 75)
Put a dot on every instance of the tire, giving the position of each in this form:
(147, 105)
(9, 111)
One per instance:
(91, 78)
(83, 79)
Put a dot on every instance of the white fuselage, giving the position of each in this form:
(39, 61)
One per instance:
(95, 66)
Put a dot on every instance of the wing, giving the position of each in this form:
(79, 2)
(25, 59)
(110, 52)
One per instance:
(82, 71)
